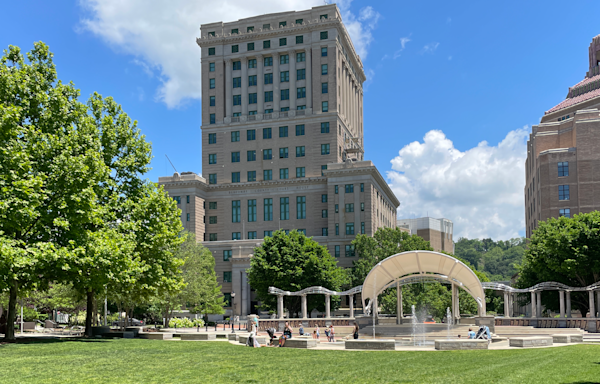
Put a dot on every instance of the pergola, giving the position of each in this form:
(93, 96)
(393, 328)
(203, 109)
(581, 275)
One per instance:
(314, 291)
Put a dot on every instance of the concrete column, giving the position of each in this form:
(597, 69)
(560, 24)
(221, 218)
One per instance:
(260, 80)
(228, 89)
(293, 91)
(327, 306)
(538, 302)
(351, 299)
(309, 78)
(399, 311)
(276, 84)
(244, 294)
(506, 305)
(511, 297)
(592, 304)
(568, 304)
(280, 306)
(598, 302)
(533, 306)
(561, 299)
(304, 310)
(244, 86)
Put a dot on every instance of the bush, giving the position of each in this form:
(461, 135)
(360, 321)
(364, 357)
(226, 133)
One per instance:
(180, 323)
(198, 323)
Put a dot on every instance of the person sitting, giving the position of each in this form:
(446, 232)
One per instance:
(287, 334)
(301, 330)
(471, 333)
(355, 332)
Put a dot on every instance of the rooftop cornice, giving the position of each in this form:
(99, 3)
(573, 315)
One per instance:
(275, 183)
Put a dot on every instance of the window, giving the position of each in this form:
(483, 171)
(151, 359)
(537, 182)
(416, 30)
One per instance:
(237, 65)
(237, 99)
(301, 107)
(323, 51)
(236, 236)
(235, 177)
(268, 61)
(236, 211)
(336, 189)
(227, 277)
(323, 17)
(300, 207)
(211, 67)
(301, 93)
(211, 83)
(300, 74)
(282, 41)
(251, 155)
(268, 174)
(563, 169)
(237, 114)
(283, 153)
(362, 207)
(212, 138)
(300, 172)
(268, 96)
(323, 198)
(300, 130)
(211, 33)
(267, 154)
(250, 113)
(349, 250)
(324, 232)
(337, 208)
(325, 106)
(267, 44)
(323, 69)
(324, 35)
(212, 205)
(251, 80)
(283, 173)
(235, 31)
(285, 94)
(324, 149)
(212, 101)
(251, 134)
(251, 210)
(564, 212)
(324, 213)
(213, 118)
(323, 169)
(177, 199)
(362, 227)
(212, 220)
(299, 21)
(269, 233)
(211, 51)
(235, 49)
(235, 157)
(324, 87)
(349, 188)
(284, 59)
(212, 237)
(250, 47)
(284, 208)
(266, 133)
(268, 210)
(285, 109)
(212, 178)
(283, 131)
(212, 158)
(337, 229)
(299, 39)
(282, 23)
(227, 299)
(350, 207)
(362, 187)
(226, 255)
(300, 57)
(252, 98)
(268, 78)
(252, 235)
(563, 192)
(284, 76)
(337, 251)
(324, 127)
(300, 151)
(237, 82)
(187, 199)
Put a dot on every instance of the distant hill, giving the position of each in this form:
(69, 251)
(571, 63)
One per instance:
(497, 259)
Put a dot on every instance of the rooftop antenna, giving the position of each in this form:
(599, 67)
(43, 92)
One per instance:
(171, 163)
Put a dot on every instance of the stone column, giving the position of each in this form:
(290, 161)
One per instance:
(260, 79)
(304, 310)
(308, 78)
(292, 66)
(276, 84)
(538, 301)
(512, 304)
(228, 89)
(561, 298)
(244, 62)
(506, 305)
(327, 306)
(592, 306)
(568, 304)
(598, 302)
(244, 294)
(399, 303)
(280, 306)
(351, 299)
(533, 306)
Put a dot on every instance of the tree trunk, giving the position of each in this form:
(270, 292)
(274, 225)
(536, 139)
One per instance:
(89, 313)
(12, 313)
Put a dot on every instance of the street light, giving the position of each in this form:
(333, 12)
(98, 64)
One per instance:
(232, 311)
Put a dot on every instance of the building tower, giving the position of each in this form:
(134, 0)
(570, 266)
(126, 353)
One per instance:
(282, 143)
(563, 153)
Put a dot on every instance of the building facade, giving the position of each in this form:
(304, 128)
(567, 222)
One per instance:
(563, 153)
(437, 231)
(282, 143)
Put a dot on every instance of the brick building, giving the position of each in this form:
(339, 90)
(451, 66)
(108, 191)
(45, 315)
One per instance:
(437, 231)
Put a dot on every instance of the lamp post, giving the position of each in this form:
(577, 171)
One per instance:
(232, 311)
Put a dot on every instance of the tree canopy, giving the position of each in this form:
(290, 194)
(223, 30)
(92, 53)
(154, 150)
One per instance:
(500, 260)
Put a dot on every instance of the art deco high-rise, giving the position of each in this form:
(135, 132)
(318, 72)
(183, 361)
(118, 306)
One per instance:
(282, 143)
(563, 153)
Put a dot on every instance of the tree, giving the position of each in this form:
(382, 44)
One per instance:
(565, 250)
(499, 260)
(294, 262)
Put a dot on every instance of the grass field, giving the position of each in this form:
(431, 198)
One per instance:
(157, 361)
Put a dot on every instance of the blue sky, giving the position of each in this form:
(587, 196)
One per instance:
(453, 87)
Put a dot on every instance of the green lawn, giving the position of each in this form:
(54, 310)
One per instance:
(156, 361)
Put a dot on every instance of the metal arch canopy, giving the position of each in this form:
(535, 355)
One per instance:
(422, 264)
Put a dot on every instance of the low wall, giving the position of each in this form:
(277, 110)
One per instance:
(590, 325)
(566, 338)
(458, 344)
(264, 324)
(198, 336)
(528, 342)
(387, 345)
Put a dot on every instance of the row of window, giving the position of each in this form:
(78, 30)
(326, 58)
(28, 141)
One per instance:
(267, 133)
(253, 234)
(283, 41)
(267, 154)
(235, 31)
(284, 77)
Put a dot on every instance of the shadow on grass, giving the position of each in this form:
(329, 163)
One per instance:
(50, 340)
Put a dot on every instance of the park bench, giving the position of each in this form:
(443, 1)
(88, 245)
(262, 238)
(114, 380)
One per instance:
(300, 342)
(155, 335)
(197, 336)
(460, 344)
(528, 342)
(567, 338)
(388, 345)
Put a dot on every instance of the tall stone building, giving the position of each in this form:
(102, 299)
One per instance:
(563, 152)
(437, 231)
(282, 143)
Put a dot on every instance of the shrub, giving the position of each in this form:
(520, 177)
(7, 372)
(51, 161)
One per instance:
(177, 322)
(198, 323)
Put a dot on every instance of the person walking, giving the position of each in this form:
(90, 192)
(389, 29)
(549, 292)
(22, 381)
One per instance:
(331, 334)
(317, 332)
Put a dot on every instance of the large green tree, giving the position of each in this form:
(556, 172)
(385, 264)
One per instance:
(498, 259)
(293, 262)
(566, 250)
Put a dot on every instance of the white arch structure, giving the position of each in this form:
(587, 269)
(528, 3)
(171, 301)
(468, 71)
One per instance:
(408, 267)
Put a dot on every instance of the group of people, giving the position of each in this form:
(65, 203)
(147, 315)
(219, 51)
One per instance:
(287, 333)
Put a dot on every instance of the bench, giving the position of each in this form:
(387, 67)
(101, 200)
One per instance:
(198, 336)
(387, 345)
(300, 343)
(155, 335)
(123, 335)
(567, 338)
(135, 330)
(458, 344)
(243, 339)
(233, 336)
(528, 342)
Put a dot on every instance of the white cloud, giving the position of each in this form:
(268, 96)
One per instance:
(430, 48)
(161, 34)
(480, 190)
(404, 41)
